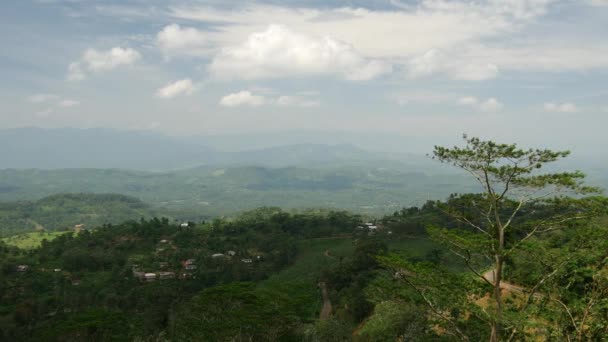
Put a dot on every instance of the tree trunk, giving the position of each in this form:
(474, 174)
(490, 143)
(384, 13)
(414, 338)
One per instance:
(496, 324)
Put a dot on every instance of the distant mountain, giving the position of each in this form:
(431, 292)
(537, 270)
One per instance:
(24, 148)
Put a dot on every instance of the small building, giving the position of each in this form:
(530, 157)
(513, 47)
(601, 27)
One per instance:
(231, 253)
(57, 270)
(22, 268)
(184, 225)
(189, 264)
(217, 255)
(163, 264)
(247, 261)
(75, 282)
(166, 275)
(139, 275)
(79, 228)
(150, 277)
(163, 241)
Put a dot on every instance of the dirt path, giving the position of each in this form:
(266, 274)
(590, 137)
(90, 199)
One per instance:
(489, 276)
(326, 310)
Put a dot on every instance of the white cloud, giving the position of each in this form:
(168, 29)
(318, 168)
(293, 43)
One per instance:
(75, 72)
(468, 101)
(69, 103)
(242, 98)
(98, 61)
(39, 98)
(248, 98)
(173, 89)
(489, 105)
(279, 52)
(566, 107)
(297, 101)
(174, 40)
(462, 40)
(52, 100)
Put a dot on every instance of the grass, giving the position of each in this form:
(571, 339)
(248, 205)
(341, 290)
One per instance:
(298, 282)
(32, 240)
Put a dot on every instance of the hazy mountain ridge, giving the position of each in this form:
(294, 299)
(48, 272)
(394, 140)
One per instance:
(36, 148)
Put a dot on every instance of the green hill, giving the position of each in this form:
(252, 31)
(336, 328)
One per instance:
(61, 212)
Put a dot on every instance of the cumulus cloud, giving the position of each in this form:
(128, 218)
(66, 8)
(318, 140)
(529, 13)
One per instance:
(565, 107)
(98, 61)
(173, 89)
(242, 98)
(279, 52)
(461, 40)
(489, 105)
(175, 40)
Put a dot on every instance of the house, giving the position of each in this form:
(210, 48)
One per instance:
(247, 261)
(57, 270)
(139, 275)
(79, 228)
(189, 264)
(184, 225)
(150, 277)
(163, 264)
(22, 268)
(166, 275)
(75, 282)
(231, 253)
(217, 255)
(163, 241)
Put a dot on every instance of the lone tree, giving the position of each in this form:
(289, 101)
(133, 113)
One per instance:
(517, 202)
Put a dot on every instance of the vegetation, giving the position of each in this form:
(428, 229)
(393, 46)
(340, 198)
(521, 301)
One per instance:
(32, 240)
(63, 211)
(523, 258)
(213, 191)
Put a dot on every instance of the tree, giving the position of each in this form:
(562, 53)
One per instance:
(514, 205)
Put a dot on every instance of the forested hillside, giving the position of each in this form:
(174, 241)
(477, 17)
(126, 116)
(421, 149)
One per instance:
(64, 211)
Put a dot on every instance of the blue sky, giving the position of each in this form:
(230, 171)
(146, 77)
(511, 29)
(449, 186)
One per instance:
(534, 71)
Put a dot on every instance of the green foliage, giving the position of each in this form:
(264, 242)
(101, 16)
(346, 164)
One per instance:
(393, 321)
(233, 312)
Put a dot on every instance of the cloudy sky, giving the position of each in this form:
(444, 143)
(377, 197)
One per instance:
(531, 70)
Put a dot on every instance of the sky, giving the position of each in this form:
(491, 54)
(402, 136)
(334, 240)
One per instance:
(532, 71)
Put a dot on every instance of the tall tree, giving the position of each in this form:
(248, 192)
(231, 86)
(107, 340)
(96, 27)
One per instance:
(514, 205)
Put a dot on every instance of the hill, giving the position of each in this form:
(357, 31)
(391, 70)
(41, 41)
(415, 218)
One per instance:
(63, 211)
(213, 191)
